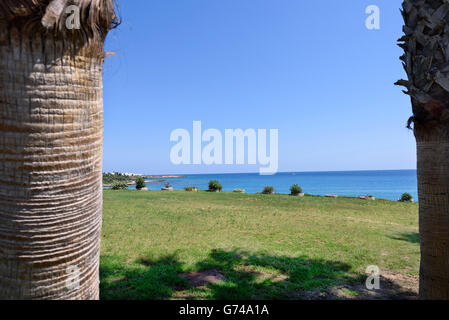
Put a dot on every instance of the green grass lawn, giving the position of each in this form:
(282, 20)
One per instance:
(265, 246)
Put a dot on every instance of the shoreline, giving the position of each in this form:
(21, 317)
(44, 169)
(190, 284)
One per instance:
(279, 194)
(388, 185)
(134, 182)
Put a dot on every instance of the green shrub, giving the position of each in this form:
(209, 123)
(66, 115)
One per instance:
(215, 186)
(268, 190)
(239, 190)
(406, 197)
(111, 178)
(295, 189)
(119, 186)
(191, 188)
(140, 183)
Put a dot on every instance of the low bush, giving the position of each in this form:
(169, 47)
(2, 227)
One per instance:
(140, 183)
(119, 186)
(406, 197)
(295, 189)
(191, 188)
(268, 190)
(215, 186)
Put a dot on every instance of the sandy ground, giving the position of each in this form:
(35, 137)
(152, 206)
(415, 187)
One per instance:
(393, 286)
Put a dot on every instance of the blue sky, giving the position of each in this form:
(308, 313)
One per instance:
(308, 68)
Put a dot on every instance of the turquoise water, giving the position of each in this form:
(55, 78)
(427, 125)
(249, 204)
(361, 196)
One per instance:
(388, 185)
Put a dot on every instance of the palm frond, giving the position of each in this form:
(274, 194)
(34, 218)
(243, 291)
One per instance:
(97, 18)
(426, 54)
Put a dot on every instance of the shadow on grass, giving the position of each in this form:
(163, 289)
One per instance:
(263, 276)
(412, 237)
(243, 276)
(146, 279)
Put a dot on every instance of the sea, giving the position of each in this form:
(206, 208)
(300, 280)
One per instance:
(389, 185)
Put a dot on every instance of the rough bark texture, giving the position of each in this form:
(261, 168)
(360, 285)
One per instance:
(51, 136)
(50, 171)
(433, 187)
(426, 61)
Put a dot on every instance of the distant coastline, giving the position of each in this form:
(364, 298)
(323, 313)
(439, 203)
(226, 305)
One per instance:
(382, 184)
(113, 178)
(131, 183)
(162, 177)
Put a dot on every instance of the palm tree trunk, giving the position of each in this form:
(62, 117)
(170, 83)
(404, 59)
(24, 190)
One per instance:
(51, 135)
(425, 60)
(433, 187)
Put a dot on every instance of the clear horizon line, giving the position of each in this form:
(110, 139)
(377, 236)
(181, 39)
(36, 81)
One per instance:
(280, 172)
